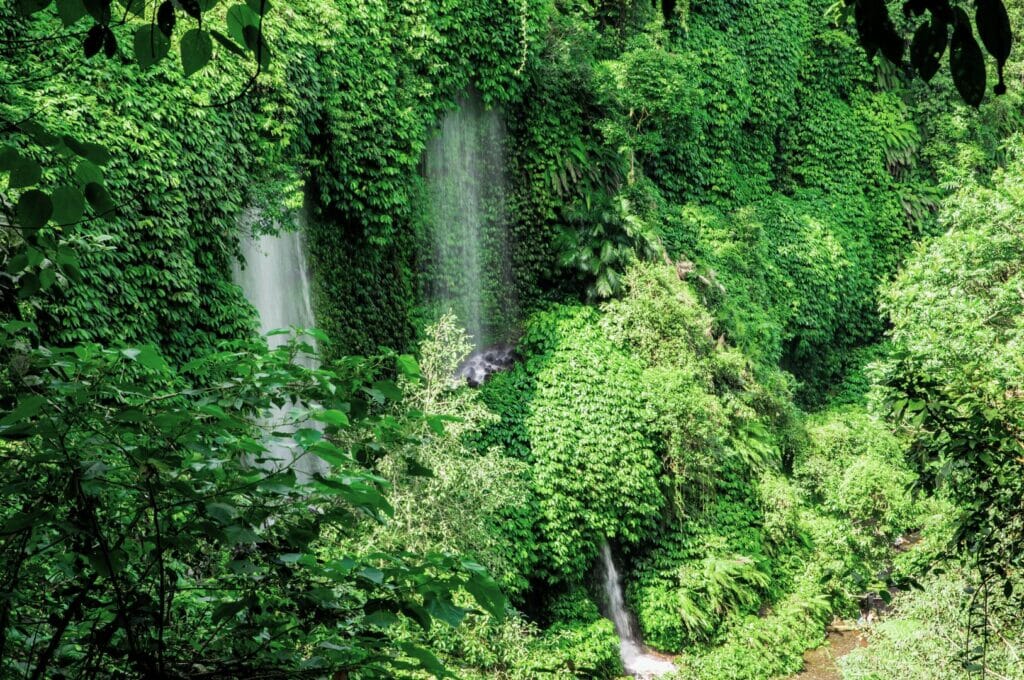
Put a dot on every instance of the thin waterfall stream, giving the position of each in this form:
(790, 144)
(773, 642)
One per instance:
(636, 660)
(275, 280)
(469, 268)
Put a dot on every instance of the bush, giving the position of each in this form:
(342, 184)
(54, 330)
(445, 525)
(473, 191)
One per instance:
(925, 636)
(595, 470)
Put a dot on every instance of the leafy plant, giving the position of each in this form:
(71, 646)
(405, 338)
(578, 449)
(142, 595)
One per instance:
(149, 532)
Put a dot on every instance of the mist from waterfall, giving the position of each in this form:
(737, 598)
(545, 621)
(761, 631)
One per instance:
(636, 660)
(275, 280)
(471, 270)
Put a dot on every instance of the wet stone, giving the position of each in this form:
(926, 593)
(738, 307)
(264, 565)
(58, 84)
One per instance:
(485, 362)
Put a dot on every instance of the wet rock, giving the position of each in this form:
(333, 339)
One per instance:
(485, 362)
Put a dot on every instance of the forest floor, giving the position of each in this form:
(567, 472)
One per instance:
(820, 663)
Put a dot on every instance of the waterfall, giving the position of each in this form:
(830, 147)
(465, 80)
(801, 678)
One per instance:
(636, 660)
(470, 269)
(275, 280)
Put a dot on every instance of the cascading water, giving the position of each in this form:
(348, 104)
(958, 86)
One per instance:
(275, 280)
(470, 271)
(635, 659)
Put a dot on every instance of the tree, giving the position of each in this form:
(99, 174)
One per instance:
(147, 530)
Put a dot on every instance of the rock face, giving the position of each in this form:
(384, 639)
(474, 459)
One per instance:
(485, 362)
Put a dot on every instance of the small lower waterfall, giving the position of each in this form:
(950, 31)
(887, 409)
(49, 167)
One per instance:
(275, 280)
(635, 659)
(470, 270)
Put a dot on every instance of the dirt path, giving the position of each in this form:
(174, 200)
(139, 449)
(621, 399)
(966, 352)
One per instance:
(820, 663)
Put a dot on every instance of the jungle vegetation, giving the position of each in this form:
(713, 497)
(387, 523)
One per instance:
(767, 266)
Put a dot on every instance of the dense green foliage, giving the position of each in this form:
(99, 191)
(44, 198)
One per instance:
(765, 291)
(142, 511)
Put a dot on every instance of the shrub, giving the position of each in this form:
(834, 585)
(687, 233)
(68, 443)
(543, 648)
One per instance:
(595, 469)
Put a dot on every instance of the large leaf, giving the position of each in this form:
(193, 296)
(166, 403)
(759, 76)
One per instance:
(94, 39)
(68, 204)
(927, 47)
(99, 9)
(967, 62)
(876, 30)
(24, 172)
(151, 45)
(488, 595)
(995, 33)
(34, 209)
(98, 198)
(426, 659)
(239, 17)
(196, 50)
(86, 172)
(165, 18)
(441, 607)
(70, 11)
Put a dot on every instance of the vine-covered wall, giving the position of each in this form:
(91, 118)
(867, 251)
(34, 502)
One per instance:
(752, 141)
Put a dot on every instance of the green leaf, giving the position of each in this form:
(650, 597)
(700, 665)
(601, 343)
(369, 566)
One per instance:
(98, 198)
(441, 607)
(24, 172)
(47, 278)
(68, 205)
(27, 408)
(34, 209)
(99, 9)
(87, 172)
(227, 610)
(418, 614)
(380, 619)
(20, 521)
(150, 46)
(150, 358)
(256, 41)
(196, 50)
(30, 7)
(222, 512)
(136, 7)
(329, 452)
(240, 16)
(388, 389)
(259, 6)
(332, 417)
(426, 659)
(28, 285)
(407, 366)
(9, 158)
(70, 11)
(488, 595)
(38, 133)
(371, 574)
(95, 153)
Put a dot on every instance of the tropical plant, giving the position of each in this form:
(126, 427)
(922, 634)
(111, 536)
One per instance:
(151, 529)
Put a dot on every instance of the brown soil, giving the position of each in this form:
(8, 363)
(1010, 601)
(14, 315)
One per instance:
(820, 663)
